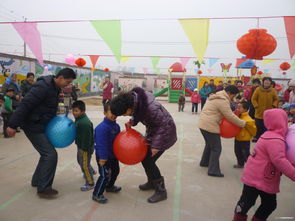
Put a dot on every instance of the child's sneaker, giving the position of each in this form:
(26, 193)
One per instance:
(114, 189)
(87, 187)
(100, 199)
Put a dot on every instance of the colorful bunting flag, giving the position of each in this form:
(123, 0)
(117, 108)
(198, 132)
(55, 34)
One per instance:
(268, 61)
(124, 59)
(93, 59)
(184, 61)
(110, 32)
(290, 30)
(145, 70)
(197, 31)
(155, 61)
(212, 61)
(31, 36)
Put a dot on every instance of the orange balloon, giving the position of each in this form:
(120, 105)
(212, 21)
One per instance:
(228, 129)
(130, 147)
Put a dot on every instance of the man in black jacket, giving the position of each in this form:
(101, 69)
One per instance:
(36, 109)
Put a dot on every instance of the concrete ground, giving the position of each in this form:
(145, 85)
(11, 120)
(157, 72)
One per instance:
(192, 195)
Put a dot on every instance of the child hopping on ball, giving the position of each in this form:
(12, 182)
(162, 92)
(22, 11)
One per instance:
(104, 136)
(84, 142)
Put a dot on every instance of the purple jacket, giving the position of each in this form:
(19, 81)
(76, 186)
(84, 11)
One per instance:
(268, 160)
(160, 126)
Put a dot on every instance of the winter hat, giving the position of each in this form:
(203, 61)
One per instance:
(292, 83)
(196, 89)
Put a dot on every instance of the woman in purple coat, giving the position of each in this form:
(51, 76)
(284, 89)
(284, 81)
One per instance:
(160, 133)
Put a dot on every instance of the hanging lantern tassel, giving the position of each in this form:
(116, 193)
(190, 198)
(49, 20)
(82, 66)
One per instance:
(80, 62)
(106, 70)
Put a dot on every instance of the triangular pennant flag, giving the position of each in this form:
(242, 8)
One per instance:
(184, 61)
(290, 30)
(124, 59)
(110, 32)
(268, 61)
(293, 63)
(158, 70)
(93, 59)
(31, 36)
(212, 61)
(197, 32)
(155, 61)
(145, 70)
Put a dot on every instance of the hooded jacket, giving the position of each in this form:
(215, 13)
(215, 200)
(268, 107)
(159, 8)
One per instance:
(264, 99)
(195, 98)
(268, 160)
(160, 126)
(38, 106)
(217, 107)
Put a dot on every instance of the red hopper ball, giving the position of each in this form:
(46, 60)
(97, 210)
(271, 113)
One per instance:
(130, 147)
(228, 129)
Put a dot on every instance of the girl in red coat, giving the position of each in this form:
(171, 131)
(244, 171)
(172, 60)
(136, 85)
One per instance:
(195, 99)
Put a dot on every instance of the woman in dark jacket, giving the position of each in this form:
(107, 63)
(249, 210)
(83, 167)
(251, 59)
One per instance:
(160, 133)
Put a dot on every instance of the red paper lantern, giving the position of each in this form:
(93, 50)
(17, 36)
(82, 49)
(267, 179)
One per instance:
(177, 67)
(106, 70)
(80, 62)
(259, 72)
(285, 66)
(200, 72)
(256, 44)
(278, 87)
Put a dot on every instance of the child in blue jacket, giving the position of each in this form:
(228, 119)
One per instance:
(104, 136)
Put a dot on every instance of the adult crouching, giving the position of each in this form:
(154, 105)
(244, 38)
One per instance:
(216, 107)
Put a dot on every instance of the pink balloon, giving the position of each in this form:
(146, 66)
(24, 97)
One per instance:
(290, 139)
(70, 59)
(46, 68)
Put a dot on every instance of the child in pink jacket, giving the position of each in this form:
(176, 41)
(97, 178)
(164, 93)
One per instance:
(195, 99)
(262, 173)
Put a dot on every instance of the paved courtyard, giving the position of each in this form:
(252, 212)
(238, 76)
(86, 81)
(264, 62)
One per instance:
(192, 195)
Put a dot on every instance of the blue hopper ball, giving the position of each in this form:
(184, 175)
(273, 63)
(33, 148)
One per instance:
(61, 131)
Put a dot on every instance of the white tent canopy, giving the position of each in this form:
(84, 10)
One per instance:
(149, 28)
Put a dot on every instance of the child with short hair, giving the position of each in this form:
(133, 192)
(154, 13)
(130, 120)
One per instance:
(242, 140)
(84, 142)
(104, 136)
(181, 102)
(262, 173)
(7, 109)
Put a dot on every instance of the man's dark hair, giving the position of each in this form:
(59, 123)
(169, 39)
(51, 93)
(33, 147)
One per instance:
(232, 89)
(273, 84)
(266, 78)
(212, 80)
(121, 103)
(9, 89)
(245, 105)
(29, 74)
(256, 80)
(107, 106)
(67, 73)
(80, 105)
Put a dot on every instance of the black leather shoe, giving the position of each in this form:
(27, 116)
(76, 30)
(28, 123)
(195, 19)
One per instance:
(216, 175)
